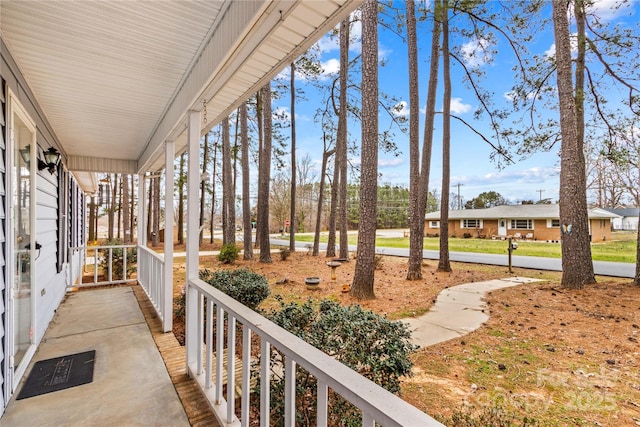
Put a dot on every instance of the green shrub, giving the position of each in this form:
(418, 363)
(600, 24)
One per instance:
(467, 236)
(228, 253)
(243, 285)
(284, 253)
(180, 304)
(370, 344)
(117, 260)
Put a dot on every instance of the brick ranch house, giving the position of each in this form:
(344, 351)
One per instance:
(533, 222)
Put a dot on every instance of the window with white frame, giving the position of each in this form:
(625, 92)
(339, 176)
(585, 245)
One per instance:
(553, 223)
(434, 224)
(522, 224)
(471, 223)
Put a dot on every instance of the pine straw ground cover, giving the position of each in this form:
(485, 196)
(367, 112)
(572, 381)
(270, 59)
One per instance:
(560, 357)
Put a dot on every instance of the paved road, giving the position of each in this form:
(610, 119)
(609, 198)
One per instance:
(603, 268)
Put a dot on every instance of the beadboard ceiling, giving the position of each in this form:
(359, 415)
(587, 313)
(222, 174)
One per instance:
(115, 79)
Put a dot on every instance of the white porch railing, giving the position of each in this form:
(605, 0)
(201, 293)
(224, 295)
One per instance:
(378, 406)
(82, 257)
(151, 278)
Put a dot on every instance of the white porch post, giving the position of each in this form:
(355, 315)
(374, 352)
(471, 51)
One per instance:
(192, 306)
(167, 315)
(142, 203)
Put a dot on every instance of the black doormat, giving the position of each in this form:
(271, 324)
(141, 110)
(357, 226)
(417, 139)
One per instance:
(59, 373)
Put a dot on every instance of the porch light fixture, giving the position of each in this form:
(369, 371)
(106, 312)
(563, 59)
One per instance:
(51, 160)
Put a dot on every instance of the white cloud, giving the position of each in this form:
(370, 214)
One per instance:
(525, 176)
(390, 163)
(281, 114)
(330, 66)
(400, 109)
(608, 10)
(551, 52)
(328, 43)
(458, 107)
(476, 53)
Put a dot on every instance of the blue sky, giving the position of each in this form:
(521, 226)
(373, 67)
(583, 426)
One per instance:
(470, 159)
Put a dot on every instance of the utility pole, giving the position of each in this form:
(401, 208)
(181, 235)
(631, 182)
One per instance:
(540, 191)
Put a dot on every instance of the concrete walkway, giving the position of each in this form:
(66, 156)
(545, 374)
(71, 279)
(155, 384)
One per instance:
(457, 311)
(131, 386)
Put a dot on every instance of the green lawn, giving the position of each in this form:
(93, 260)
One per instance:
(622, 248)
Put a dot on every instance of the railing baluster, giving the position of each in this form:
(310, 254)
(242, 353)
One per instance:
(110, 265)
(323, 404)
(199, 339)
(124, 264)
(231, 366)
(378, 406)
(246, 375)
(219, 352)
(95, 266)
(367, 420)
(209, 347)
(265, 380)
(289, 392)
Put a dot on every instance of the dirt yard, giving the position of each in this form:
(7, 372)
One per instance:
(561, 357)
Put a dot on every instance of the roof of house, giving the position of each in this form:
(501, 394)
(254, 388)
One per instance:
(624, 212)
(517, 211)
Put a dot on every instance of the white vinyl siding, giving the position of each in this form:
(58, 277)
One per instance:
(471, 223)
(521, 224)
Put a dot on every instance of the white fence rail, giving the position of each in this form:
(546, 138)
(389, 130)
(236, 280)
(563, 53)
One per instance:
(378, 406)
(151, 277)
(101, 258)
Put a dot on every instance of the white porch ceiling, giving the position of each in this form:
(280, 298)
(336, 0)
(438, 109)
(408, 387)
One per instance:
(115, 78)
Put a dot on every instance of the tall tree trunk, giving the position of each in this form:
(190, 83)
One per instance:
(126, 225)
(203, 186)
(443, 262)
(119, 208)
(213, 190)
(264, 177)
(181, 183)
(228, 217)
(362, 286)
(416, 241)
(636, 280)
(341, 142)
(577, 266)
(132, 211)
(246, 197)
(112, 205)
(149, 230)
(92, 219)
(316, 236)
(155, 240)
(260, 121)
(292, 215)
(333, 208)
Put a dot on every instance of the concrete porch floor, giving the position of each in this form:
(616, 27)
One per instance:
(131, 385)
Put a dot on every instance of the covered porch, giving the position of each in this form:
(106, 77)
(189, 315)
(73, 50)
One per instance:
(125, 87)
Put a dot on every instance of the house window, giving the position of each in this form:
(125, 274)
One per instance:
(434, 224)
(471, 223)
(522, 224)
(553, 223)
